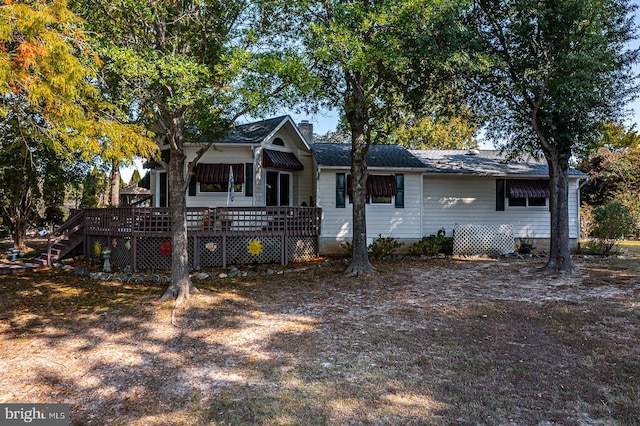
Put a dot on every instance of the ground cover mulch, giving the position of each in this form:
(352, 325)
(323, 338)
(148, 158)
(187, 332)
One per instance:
(425, 342)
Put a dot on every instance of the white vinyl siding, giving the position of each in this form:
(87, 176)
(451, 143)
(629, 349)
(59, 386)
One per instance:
(451, 201)
(302, 180)
(230, 155)
(384, 219)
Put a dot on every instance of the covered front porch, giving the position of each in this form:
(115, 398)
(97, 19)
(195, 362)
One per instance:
(139, 238)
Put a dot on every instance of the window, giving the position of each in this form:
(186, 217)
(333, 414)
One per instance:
(400, 193)
(214, 178)
(219, 187)
(527, 193)
(381, 189)
(380, 199)
(248, 185)
(527, 202)
(340, 190)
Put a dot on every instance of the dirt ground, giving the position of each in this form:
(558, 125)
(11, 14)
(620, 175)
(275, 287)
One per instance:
(34, 247)
(440, 341)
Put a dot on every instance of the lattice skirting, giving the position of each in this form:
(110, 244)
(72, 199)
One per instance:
(247, 250)
(302, 248)
(490, 240)
(151, 252)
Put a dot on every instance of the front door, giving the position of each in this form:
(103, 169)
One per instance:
(278, 190)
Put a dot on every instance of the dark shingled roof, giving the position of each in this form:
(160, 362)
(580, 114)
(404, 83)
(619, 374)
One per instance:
(482, 162)
(339, 155)
(253, 133)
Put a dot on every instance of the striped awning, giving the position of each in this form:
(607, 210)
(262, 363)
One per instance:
(281, 160)
(381, 185)
(528, 188)
(378, 185)
(219, 173)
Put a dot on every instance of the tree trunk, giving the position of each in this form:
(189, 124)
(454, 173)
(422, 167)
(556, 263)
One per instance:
(360, 263)
(21, 210)
(114, 188)
(356, 116)
(181, 286)
(560, 253)
(19, 225)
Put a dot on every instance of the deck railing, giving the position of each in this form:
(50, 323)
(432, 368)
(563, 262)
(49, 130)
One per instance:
(205, 224)
(205, 221)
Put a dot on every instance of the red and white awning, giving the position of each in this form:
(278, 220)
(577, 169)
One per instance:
(378, 185)
(281, 160)
(219, 173)
(528, 189)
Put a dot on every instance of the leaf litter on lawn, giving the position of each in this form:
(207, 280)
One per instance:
(436, 341)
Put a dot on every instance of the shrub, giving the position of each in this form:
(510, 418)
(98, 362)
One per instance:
(586, 220)
(611, 223)
(433, 244)
(526, 246)
(597, 246)
(347, 246)
(384, 246)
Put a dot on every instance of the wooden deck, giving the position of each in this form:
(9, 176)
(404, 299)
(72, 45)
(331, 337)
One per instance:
(215, 232)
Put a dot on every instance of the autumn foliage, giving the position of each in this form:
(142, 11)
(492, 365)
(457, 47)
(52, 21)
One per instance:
(48, 82)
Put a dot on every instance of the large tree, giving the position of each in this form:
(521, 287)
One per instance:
(50, 108)
(548, 73)
(372, 67)
(189, 69)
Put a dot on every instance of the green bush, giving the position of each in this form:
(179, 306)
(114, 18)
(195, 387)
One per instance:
(433, 245)
(526, 246)
(597, 246)
(347, 246)
(384, 246)
(610, 224)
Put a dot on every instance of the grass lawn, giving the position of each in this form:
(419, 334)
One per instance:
(434, 342)
(631, 247)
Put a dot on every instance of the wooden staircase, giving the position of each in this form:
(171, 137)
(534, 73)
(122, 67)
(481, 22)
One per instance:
(63, 240)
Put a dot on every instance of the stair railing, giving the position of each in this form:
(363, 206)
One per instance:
(74, 223)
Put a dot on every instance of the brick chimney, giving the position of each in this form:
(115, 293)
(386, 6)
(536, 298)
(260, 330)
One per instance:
(306, 128)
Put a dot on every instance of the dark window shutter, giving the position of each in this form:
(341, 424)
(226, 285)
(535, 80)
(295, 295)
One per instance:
(248, 181)
(500, 187)
(340, 190)
(164, 190)
(400, 193)
(192, 186)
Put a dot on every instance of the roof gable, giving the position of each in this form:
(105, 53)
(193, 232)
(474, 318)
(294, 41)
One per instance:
(260, 132)
(254, 133)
